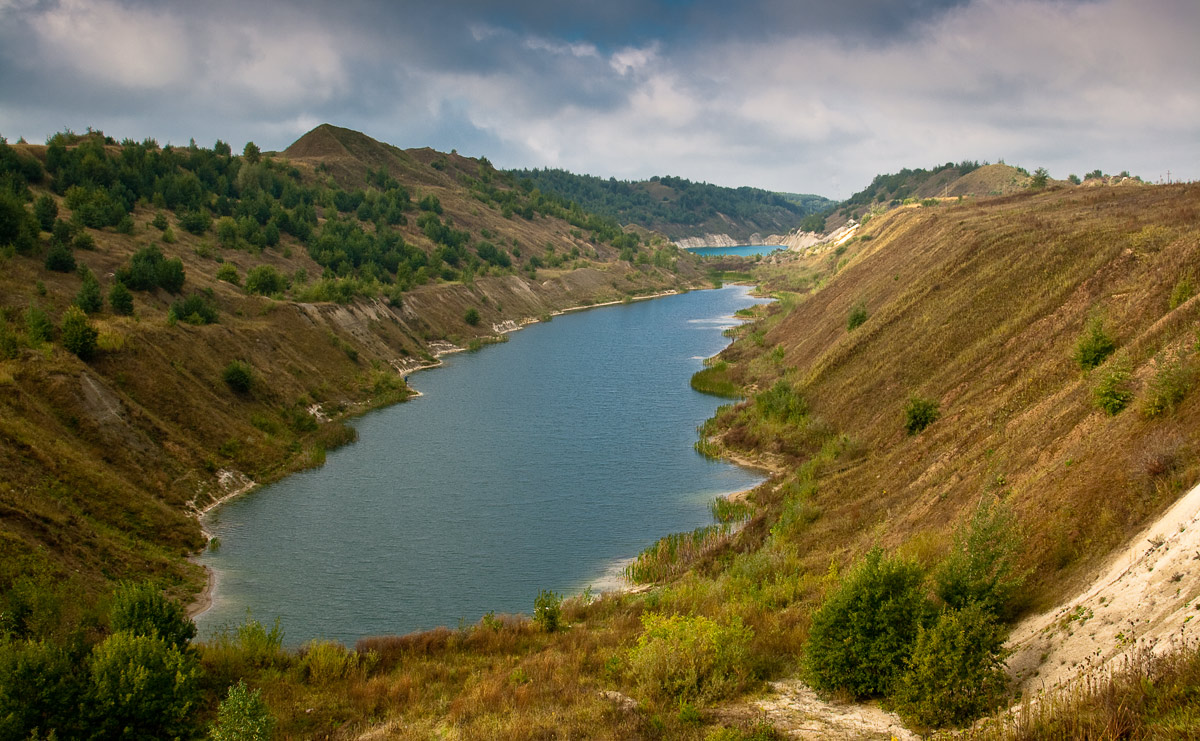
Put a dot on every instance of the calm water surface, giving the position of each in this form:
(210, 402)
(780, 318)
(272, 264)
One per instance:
(540, 463)
(745, 250)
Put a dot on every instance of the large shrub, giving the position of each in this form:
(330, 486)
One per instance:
(78, 334)
(242, 716)
(148, 268)
(956, 672)
(919, 413)
(40, 689)
(141, 687)
(863, 635)
(141, 609)
(265, 280)
(547, 610)
(691, 658)
(982, 569)
(238, 376)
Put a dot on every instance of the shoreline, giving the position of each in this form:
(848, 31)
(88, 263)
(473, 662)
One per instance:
(204, 600)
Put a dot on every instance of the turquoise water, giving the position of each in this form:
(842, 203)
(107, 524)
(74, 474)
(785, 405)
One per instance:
(745, 250)
(540, 463)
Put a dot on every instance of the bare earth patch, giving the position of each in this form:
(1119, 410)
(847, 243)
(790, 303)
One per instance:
(1148, 593)
(794, 708)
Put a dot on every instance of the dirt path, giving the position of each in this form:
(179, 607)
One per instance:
(1148, 592)
(794, 708)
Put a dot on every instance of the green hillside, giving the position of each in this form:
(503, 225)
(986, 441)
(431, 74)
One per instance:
(678, 207)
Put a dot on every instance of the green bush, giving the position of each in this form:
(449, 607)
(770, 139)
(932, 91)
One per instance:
(956, 672)
(196, 309)
(1170, 385)
(265, 280)
(148, 268)
(858, 315)
(196, 221)
(120, 299)
(60, 258)
(1094, 346)
(781, 402)
(89, 297)
(919, 413)
(472, 316)
(141, 687)
(78, 334)
(327, 661)
(547, 611)
(141, 609)
(238, 376)
(242, 716)
(691, 658)
(981, 568)
(1182, 291)
(862, 636)
(38, 326)
(1113, 391)
(228, 273)
(46, 211)
(40, 689)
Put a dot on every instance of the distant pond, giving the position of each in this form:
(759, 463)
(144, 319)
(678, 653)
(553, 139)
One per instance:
(542, 463)
(745, 250)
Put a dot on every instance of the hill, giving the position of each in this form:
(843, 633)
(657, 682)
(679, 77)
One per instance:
(680, 208)
(236, 310)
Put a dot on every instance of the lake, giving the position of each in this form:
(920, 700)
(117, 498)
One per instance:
(744, 250)
(542, 463)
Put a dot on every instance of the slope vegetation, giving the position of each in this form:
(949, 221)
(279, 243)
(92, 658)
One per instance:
(239, 309)
(680, 208)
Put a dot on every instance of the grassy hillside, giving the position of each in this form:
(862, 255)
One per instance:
(1037, 352)
(322, 280)
(678, 207)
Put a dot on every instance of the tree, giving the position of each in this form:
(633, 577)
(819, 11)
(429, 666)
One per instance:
(141, 687)
(141, 609)
(863, 635)
(956, 672)
(981, 569)
(472, 316)
(251, 153)
(89, 297)
(40, 690)
(120, 299)
(78, 334)
(242, 716)
(1040, 178)
(60, 258)
(1094, 346)
(265, 280)
(46, 211)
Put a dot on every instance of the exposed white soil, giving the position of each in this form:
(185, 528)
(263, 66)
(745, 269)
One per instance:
(792, 707)
(1148, 593)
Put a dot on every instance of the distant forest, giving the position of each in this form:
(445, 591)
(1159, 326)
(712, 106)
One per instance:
(679, 207)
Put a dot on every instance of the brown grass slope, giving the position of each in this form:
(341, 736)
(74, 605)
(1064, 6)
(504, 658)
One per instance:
(102, 462)
(979, 306)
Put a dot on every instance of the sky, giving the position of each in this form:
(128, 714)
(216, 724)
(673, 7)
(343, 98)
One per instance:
(803, 96)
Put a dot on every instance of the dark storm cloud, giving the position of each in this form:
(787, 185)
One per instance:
(802, 96)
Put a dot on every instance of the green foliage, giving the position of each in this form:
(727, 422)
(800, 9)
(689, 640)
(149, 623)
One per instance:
(197, 309)
(781, 402)
(1182, 291)
(956, 672)
(919, 413)
(472, 316)
(160, 221)
(691, 658)
(1094, 346)
(60, 258)
(238, 376)
(148, 269)
(1113, 391)
(38, 326)
(547, 611)
(141, 687)
(45, 210)
(863, 634)
(196, 221)
(120, 299)
(40, 690)
(858, 315)
(327, 661)
(982, 569)
(715, 380)
(78, 334)
(228, 273)
(141, 609)
(242, 716)
(89, 297)
(1039, 179)
(814, 222)
(265, 280)
(1169, 386)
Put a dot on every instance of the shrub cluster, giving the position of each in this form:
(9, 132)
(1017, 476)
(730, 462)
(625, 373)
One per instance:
(691, 658)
